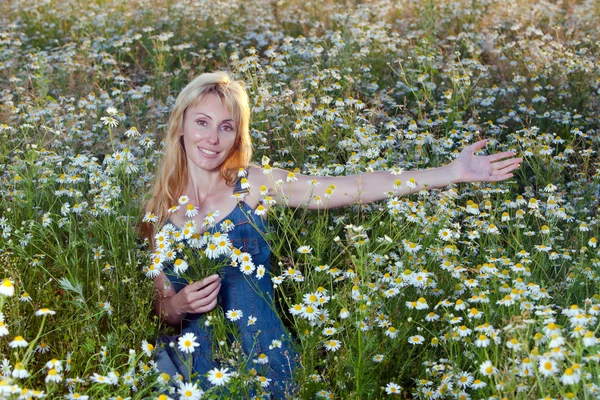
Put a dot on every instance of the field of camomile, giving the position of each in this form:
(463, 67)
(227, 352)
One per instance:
(470, 291)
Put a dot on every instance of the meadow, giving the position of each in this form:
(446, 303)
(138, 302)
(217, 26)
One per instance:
(488, 290)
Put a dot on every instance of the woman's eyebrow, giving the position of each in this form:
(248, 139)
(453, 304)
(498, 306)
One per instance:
(209, 117)
(201, 113)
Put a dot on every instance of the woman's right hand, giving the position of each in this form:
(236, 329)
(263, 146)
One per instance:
(198, 297)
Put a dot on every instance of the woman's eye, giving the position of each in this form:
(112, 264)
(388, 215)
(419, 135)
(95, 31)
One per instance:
(201, 122)
(227, 128)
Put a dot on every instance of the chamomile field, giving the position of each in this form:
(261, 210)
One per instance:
(473, 291)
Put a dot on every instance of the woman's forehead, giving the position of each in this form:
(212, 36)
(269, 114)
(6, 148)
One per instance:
(210, 101)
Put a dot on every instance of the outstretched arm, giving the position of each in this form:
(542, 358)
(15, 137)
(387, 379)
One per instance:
(297, 190)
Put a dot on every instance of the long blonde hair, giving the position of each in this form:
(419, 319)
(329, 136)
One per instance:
(172, 173)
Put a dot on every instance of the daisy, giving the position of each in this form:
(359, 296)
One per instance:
(187, 343)
(18, 341)
(417, 339)
(304, 250)
(332, 345)
(147, 348)
(180, 266)
(570, 377)
(44, 311)
(260, 210)
(19, 372)
(191, 211)
(234, 315)
(53, 376)
(263, 380)
(76, 396)
(189, 391)
(478, 384)
(378, 358)
(547, 366)
(487, 368)
(482, 341)
(261, 359)
(329, 331)
(393, 388)
(183, 200)
(219, 377)
(3, 329)
(391, 332)
(247, 268)
(260, 271)
(7, 288)
(310, 313)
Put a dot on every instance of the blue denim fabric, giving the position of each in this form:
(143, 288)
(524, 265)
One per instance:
(252, 296)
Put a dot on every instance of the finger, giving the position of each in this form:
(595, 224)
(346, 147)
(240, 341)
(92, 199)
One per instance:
(204, 282)
(206, 308)
(506, 169)
(205, 291)
(205, 301)
(499, 156)
(478, 145)
(505, 163)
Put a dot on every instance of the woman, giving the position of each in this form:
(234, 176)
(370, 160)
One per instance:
(207, 146)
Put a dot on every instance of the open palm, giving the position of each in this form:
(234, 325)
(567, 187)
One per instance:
(468, 167)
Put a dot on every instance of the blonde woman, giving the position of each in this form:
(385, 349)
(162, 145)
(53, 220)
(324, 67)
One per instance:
(207, 145)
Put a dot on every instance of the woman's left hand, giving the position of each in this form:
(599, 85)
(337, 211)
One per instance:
(468, 167)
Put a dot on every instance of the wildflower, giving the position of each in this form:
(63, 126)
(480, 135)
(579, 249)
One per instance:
(263, 380)
(19, 372)
(218, 377)
(304, 250)
(44, 311)
(7, 288)
(482, 341)
(261, 359)
(18, 341)
(190, 391)
(234, 315)
(514, 344)
(588, 339)
(547, 366)
(180, 266)
(251, 320)
(416, 339)
(191, 211)
(42, 347)
(132, 132)
(391, 332)
(570, 377)
(310, 313)
(3, 328)
(478, 384)
(147, 348)
(332, 345)
(411, 183)
(187, 343)
(487, 368)
(183, 200)
(260, 271)
(393, 388)
(53, 376)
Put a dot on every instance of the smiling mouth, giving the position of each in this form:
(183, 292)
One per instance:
(207, 152)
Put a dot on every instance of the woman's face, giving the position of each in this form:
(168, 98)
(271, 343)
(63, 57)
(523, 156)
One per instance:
(209, 132)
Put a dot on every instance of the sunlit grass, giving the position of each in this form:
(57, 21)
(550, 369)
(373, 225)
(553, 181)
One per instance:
(472, 291)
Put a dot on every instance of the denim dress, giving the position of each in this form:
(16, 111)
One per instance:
(251, 295)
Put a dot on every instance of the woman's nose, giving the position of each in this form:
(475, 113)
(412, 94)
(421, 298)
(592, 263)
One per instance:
(211, 135)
